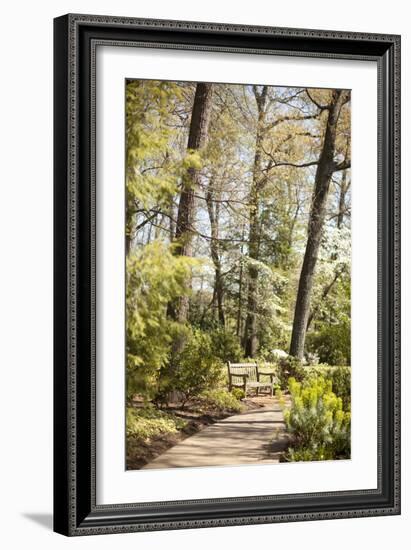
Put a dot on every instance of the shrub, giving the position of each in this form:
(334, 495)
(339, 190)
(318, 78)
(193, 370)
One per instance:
(238, 393)
(195, 368)
(319, 426)
(340, 378)
(154, 278)
(341, 383)
(290, 367)
(149, 422)
(312, 359)
(221, 400)
(226, 345)
(332, 343)
(272, 355)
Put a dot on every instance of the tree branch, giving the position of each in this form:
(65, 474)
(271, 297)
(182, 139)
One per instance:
(316, 103)
(303, 165)
(290, 119)
(324, 295)
(343, 165)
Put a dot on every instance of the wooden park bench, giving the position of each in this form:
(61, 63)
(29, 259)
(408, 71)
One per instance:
(248, 376)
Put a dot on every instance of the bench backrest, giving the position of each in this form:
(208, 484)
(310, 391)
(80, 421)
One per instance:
(242, 368)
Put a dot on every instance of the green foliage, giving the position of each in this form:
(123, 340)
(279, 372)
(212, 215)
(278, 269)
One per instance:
(317, 422)
(192, 159)
(155, 277)
(290, 367)
(341, 384)
(221, 401)
(332, 343)
(226, 345)
(145, 423)
(165, 356)
(238, 393)
(152, 169)
(271, 325)
(195, 368)
(340, 378)
(331, 296)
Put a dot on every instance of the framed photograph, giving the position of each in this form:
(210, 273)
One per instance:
(227, 277)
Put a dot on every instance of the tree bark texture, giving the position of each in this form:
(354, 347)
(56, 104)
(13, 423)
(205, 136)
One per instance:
(325, 168)
(218, 295)
(197, 139)
(250, 331)
(341, 203)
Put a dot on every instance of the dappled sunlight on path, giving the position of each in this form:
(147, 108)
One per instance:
(252, 437)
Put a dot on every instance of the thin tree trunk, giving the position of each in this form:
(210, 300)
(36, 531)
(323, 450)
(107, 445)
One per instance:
(218, 296)
(341, 203)
(324, 295)
(250, 336)
(128, 244)
(197, 139)
(325, 168)
(171, 218)
(130, 222)
(240, 290)
(250, 331)
(149, 233)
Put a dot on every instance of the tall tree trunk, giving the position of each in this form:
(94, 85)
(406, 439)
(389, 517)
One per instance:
(130, 222)
(250, 333)
(197, 139)
(292, 217)
(341, 203)
(218, 296)
(325, 168)
(128, 244)
(171, 218)
(240, 289)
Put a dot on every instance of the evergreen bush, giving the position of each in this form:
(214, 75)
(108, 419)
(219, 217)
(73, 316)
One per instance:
(317, 422)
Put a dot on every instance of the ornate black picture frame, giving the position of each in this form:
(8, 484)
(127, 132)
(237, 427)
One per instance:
(75, 509)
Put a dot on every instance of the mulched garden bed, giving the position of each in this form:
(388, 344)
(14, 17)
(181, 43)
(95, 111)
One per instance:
(140, 453)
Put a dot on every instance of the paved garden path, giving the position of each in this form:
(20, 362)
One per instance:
(252, 437)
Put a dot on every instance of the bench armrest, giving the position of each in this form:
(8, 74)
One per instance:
(272, 375)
